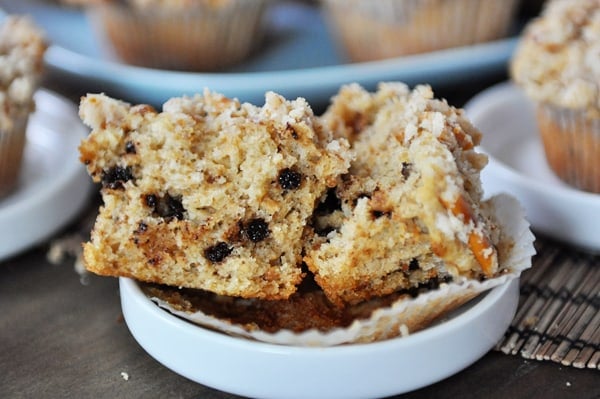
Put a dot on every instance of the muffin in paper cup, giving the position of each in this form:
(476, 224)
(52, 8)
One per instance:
(557, 65)
(306, 319)
(205, 35)
(22, 47)
(12, 146)
(572, 145)
(371, 30)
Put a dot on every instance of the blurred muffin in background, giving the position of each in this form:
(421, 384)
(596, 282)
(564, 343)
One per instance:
(22, 48)
(372, 30)
(192, 35)
(557, 64)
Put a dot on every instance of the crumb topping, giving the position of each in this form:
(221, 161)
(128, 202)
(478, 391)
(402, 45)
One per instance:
(22, 47)
(412, 196)
(558, 58)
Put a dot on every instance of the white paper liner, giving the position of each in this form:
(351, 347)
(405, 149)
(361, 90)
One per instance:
(370, 30)
(12, 145)
(405, 315)
(571, 140)
(202, 38)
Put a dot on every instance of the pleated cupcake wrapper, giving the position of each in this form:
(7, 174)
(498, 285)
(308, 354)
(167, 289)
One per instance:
(12, 145)
(406, 315)
(558, 317)
(200, 39)
(370, 30)
(571, 141)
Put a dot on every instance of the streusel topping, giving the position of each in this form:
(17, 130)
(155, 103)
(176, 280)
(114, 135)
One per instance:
(22, 47)
(558, 58)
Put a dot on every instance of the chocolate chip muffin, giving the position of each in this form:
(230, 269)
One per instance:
(409, 212)
(210, 193)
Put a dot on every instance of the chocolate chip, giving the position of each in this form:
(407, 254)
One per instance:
(406, 170)
(377, 214)
(431, 284)
(413, 265)
(115, 177)
(173, 207)
(166, 207)
(292, 131)
(151, 200)
(289, 179)
(257, 230)
(218, 252)
(130, 147)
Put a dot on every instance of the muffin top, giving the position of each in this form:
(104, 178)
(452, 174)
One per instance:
(558, 58)
(22, 47)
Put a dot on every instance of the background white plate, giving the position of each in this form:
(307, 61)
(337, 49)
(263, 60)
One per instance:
(262, 370)
(53, 186)
(518, 166)
(300, 59)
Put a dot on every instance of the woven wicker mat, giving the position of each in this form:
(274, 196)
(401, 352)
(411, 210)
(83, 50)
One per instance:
(558, 318)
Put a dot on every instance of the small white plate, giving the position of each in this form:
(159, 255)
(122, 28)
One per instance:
(518, 166)
(300, 59)
(263, 370)
(53, 186)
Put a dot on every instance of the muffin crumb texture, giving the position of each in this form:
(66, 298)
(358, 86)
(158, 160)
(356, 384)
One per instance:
(209, 193)
(408, 213)
(380, 194)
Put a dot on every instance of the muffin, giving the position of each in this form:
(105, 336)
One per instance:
(557, 65)
(191, 35)
(369, 30)
(274, 224)
(22, 47)
(209, 193)
(408, 213)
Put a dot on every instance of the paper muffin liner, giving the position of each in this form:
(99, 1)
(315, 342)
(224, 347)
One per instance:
(203, 37)
(571, 141)
(371, 30)
(406, 314)
(12, 145)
